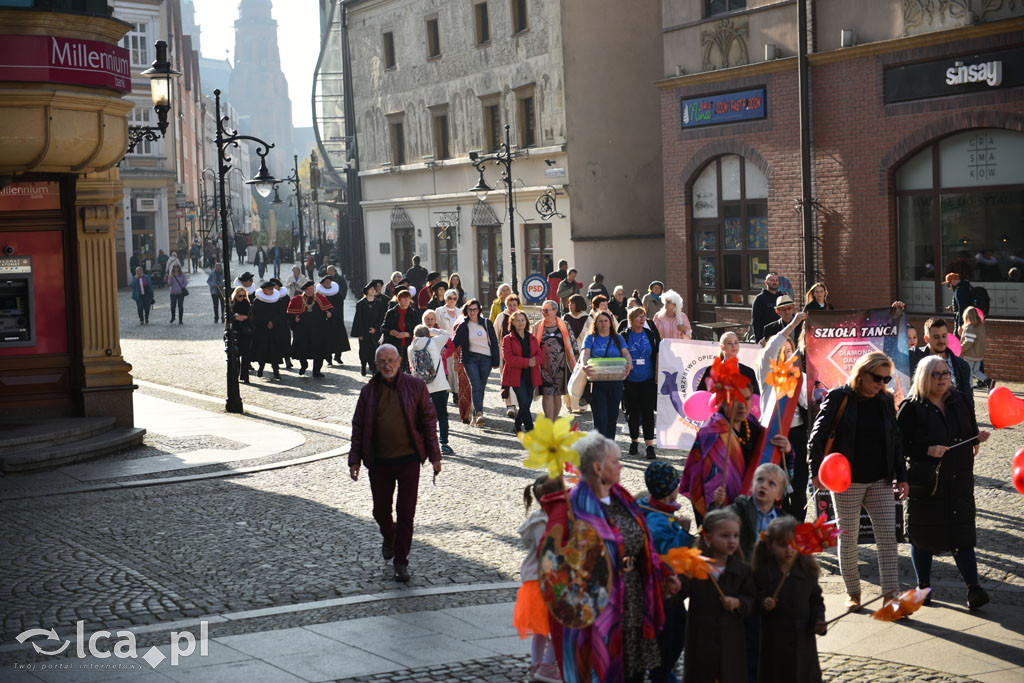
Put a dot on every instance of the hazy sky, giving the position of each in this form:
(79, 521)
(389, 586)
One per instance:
(298, 37)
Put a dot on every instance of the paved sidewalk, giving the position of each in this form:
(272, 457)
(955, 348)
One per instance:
(197, 438)
(941, 643)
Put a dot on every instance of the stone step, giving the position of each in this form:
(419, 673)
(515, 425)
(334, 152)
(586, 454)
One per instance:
(17, 435)
(44, 457)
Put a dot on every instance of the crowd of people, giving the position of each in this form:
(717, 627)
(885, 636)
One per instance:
(761, 621)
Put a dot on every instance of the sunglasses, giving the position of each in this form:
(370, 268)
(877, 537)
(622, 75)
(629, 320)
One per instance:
(881, 379)
(940, 375)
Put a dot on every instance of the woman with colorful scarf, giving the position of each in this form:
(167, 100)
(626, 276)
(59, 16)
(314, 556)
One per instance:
(620, 644)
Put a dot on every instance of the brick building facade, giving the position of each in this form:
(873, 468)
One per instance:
(877, 108)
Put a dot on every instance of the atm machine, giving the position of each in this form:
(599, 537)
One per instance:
(17, 314)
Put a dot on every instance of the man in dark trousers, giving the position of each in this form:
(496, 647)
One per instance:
(763, 310)
(417, 275)
(394, 431)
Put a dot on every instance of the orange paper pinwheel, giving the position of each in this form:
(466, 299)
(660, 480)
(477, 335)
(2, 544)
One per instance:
(810, 538)
(906, 604)
(687, 562)
(727, 382)
(785, 375)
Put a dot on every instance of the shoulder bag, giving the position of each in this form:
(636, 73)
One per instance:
(835, 425)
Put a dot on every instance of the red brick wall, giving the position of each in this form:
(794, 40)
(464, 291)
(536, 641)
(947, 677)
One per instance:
(858, 141)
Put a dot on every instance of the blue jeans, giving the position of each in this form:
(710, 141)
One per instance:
(966, 562)
(439, 399)
(478, 369)
(178, 302)
(605, 398)
(277, 269)
(524, 395)
(143, 307)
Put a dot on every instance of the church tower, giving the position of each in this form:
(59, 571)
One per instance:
(258, 88)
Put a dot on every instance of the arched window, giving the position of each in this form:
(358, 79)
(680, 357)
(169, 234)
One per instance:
(960, 209)
(730, 235)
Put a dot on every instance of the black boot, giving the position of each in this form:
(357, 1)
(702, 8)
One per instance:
(277, 372)
(302, 367)
(259, 372)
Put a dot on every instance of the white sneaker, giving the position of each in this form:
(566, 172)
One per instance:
(547, 673)
(510, 412)
(479, 420)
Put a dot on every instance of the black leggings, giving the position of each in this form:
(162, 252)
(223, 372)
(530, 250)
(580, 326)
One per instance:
(641, 399)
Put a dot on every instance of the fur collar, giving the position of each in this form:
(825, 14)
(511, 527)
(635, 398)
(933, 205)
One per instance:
(328, 291)
(268, 299)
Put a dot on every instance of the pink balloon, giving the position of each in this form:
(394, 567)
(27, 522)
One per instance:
(697, 407)
(953, 343)
(981, 314)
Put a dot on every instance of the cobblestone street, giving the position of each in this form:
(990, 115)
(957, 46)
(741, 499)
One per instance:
(304, 533)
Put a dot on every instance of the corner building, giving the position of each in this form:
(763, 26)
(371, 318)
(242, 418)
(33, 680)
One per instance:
(917, 155)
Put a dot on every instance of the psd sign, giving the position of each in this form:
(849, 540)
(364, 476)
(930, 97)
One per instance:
(535, 288)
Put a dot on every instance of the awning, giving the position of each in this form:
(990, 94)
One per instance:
(400, 219)
(484, 216)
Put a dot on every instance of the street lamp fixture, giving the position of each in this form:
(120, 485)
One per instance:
(277, 201)
(503, 158)
(263, 182)
(161, 76)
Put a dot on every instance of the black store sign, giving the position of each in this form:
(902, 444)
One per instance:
(955, 76)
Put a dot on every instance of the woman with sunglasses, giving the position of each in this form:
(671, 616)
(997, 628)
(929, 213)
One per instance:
(858, 420)
(476, 338)
(939, 434)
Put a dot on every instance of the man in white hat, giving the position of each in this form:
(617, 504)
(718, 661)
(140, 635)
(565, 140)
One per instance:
(785, 309)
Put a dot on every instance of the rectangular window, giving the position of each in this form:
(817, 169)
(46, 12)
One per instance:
(446, 251)
(483, 23)
(540, 254)
(389, 50)
(713, 7)
(433, 39)
(140, 116)
(527, 123)
(137, 43)
(442, 148)
(519, 16)
(397, 143)
(492, 128)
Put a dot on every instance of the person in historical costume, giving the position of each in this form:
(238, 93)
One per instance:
(309, 314)
(245, 281)
(241, 321)
(282, 334)
(367, 323)
(267, 318)
(338, 337)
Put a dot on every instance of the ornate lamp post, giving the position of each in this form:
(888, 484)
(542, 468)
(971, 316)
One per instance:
(160, 75)
(503, 158)
(264, 183)
(294, 180)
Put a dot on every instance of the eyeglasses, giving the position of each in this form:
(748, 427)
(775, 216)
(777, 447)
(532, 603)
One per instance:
(470, 310)
(880, 378)
(940, 375)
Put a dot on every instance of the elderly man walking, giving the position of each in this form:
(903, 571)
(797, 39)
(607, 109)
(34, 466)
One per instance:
(394, 431)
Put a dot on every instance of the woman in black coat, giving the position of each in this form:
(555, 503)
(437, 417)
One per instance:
(367, 323)
(267, 318)
(940, 511)
(338, 337)
(241, 315)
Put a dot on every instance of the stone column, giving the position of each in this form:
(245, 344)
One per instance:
(106, 382)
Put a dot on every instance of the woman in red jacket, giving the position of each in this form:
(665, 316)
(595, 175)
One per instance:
(521, 371)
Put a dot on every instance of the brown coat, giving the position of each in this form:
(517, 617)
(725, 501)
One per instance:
(419, 413)
(715, 640)
(789, 651)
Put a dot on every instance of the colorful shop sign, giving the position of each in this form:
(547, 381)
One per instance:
(726, 108)
(51, 59)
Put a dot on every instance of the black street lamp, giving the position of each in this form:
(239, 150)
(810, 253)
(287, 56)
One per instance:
(160, 75)
(503, 158)
(294, 180)
(264, 183)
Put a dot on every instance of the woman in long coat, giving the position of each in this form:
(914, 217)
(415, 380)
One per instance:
(338, 343)
(282, 333)
(241, 316)
(366, 325)
(940, 509)
(309, 315)
(267, 318)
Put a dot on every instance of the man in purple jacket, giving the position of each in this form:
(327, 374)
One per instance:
(394, 431)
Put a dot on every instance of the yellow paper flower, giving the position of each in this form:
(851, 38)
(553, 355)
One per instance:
(785, 375)
(549, 445)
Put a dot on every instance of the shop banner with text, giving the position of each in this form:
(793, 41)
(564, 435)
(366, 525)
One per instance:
(837, 339)
(681, 363)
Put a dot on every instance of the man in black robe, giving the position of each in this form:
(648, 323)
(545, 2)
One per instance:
(338, 337)
(282, 334)
(267, 318)
(366, 324)
(309, 315)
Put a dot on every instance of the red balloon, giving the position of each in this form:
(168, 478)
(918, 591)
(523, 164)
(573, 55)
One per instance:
(1005, 409)
(1018, 460)
(1018, 478)
(834, 472)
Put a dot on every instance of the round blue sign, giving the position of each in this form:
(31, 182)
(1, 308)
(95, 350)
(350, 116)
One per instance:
(535, 288)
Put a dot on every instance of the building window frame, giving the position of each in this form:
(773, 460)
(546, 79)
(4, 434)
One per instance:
(491, 125)
(433, 36)
(440, 124)
(141, 115)
(396, 138)
(446, 252)
(520, 16)
(540, 254)
(139, 43)
(389, 58)
(482, 23)
(716, 8)
(526, 115)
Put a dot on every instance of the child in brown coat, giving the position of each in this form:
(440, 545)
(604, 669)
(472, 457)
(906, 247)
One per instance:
(792, 609)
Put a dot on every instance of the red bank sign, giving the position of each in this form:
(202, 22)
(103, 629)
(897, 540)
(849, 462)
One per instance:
(49, 59)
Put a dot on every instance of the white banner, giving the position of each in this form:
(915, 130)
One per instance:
(681, 362)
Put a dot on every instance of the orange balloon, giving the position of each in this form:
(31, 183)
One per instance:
(834, 472)
(1005, 409)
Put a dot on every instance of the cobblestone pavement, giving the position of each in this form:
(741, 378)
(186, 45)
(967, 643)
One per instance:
(137, 556)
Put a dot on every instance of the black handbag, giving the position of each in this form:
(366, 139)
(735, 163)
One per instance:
(923, 477)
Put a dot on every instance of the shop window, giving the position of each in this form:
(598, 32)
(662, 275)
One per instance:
(137, 42)
(730, 235)
(713, 7)
(959, 202)
(540, 253)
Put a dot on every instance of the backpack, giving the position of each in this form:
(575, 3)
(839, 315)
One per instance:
(423, 364)
(980, 299)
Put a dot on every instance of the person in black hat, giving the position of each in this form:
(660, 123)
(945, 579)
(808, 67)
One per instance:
(426, 293)
(437, 300)
(282, 334)
(367, 323)
(309, 315)
(267, 317)
(338, 337)
(245, 281)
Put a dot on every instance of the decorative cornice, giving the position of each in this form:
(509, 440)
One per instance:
(64, 25)
(732, 73)
(951, 35)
